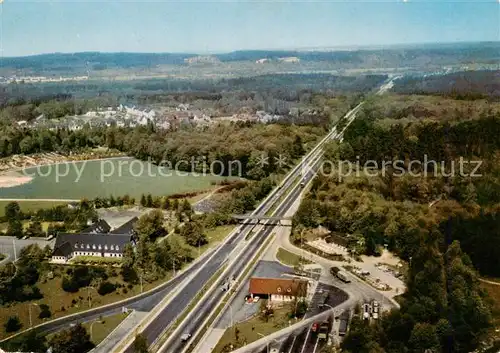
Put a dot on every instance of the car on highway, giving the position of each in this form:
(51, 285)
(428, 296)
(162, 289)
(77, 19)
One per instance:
(185, 337)
(314, 327)
(225, 286)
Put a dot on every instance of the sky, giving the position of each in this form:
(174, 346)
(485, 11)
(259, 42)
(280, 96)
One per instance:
(34, 27)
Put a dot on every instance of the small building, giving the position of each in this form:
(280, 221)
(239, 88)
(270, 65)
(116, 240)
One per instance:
(70, 245)
(278, 289)
(96, 240)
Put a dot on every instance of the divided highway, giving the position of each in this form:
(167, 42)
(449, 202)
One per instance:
(180, 302)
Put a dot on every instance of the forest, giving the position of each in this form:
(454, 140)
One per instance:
(281, 86)
(467, 85)
(442, 220)
(403, 56)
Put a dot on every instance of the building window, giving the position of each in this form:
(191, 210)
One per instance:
(88, 246)
(93, 246)
(100, 246)
(105, 247)
(117, 248)
(279, 289)
(112, 247)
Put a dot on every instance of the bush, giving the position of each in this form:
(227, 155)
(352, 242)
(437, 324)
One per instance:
(13, 324)
(68, 285)
(106, 288)
(45, 311)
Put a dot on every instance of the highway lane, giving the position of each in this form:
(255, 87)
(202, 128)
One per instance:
(177, 305)
(201, 311)
(175, 308)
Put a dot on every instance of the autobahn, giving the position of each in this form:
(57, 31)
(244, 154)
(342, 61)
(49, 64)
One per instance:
(200, 313)
(174, 309)
(203, 309)
(176, 306)
(149, 300)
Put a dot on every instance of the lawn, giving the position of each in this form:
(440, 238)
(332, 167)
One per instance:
(27, 206)
(251, 330)
(101, 330)
(290, 259)
(26, 224)
(62, 303)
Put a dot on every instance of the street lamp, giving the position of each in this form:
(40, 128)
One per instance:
(92, 324)
(88, 294)
(29, 311)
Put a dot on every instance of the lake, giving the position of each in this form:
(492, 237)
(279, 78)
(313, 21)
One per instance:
(119, 176)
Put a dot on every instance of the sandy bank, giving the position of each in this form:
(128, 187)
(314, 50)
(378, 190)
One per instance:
(12, 180)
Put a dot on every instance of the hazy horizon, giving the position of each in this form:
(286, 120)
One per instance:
(305, 49)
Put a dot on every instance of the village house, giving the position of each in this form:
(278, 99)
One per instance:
(278, 289)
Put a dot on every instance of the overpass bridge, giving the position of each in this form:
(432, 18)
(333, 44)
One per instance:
(258, 218)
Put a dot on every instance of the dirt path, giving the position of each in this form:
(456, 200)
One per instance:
(490, 282)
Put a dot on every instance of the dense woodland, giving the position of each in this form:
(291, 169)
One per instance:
(468, 85)
(265, 88)
(234, 145)
(443, 223)
(402, 56)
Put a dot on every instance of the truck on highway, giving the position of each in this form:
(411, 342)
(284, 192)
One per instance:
(343, 277)
(324, 330)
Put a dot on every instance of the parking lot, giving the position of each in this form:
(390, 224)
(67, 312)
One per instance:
(240, 310)
(7, 245)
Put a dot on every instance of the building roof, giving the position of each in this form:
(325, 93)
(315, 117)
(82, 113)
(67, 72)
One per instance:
(66, 243)
(126, 228)
(64, 249)
(283, 286)
(101, 226)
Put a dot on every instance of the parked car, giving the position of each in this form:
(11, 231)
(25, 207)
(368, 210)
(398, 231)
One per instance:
(256, 299)
(366, 311)
(375, 309)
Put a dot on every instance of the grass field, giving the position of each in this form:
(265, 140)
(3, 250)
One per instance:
(100, 330)
(289, 258)
(100, 178)
(45, 225)
(30, 205)
(62, 303)
(251, 330)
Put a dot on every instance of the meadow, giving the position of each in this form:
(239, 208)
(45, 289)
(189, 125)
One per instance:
(90, 179)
